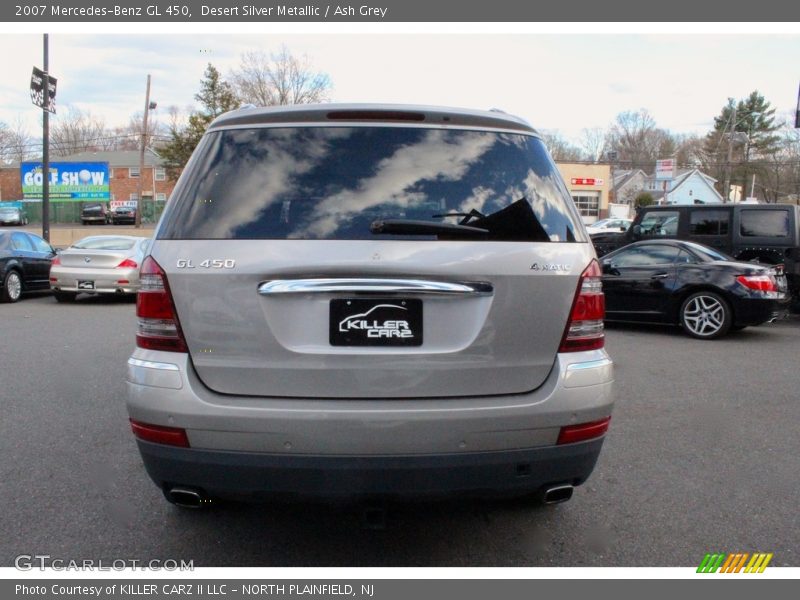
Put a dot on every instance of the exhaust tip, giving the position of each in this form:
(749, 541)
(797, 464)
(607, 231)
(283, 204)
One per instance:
(558, 494)
(187, 498)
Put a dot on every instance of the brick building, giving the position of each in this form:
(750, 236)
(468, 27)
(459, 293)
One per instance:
(123, 166)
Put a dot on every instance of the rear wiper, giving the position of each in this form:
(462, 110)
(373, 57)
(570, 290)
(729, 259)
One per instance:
(473, 214)
(413, 227)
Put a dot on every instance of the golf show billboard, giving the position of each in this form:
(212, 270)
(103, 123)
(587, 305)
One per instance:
(76, 181)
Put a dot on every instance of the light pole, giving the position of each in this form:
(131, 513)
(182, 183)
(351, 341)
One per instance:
(139, 186)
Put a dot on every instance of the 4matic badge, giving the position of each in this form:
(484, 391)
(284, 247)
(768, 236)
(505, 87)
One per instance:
(390, 328)
(551, 267)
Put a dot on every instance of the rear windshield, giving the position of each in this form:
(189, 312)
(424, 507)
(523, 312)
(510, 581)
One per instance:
(358, 183)
(104, 243)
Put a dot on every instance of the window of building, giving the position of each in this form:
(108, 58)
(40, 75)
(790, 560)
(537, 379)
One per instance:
(161, 197)
(589, 206)
(133, 171)
(161, 174)
(709, 222)
(134, 196)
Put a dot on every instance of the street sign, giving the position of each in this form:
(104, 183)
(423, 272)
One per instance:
(665, 169)
(38, 96)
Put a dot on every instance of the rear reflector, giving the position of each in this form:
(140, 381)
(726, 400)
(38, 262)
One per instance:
(171, 436)
(582, 432)
(159, 328)
(585, 330)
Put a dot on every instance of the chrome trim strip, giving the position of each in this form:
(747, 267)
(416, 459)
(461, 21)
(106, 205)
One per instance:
(383, 286)
(149, 364)
(592, 364)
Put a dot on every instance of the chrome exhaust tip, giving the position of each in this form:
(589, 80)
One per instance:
(558, 494)
(187, 498)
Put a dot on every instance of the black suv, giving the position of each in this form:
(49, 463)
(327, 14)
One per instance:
(765, 233)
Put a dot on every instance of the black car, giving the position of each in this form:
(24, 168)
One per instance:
(691, 285)
(24, 264)
(121, 215)
(766, 233)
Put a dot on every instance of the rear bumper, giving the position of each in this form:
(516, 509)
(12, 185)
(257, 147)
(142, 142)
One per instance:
(252, 476)
(253, 447)
(106, 281)
(756, 311)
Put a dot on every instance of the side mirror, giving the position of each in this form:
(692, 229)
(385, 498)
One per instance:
(637, 231)
(606, 264)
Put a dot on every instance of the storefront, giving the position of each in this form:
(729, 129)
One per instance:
(589, 185)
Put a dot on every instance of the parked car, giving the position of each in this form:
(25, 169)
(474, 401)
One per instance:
(24, 264)
(122, 215)
(12, 215)
(691, 285)
(94, 213)
(323, 312)
(611, 224)
(100, 264)
(764, 233)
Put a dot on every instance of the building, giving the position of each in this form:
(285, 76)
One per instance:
(627, 185)
(688, 186)
(124, 176)
(590, 186)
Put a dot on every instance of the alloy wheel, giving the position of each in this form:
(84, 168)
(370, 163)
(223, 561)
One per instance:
(704, 316)
(13, 286)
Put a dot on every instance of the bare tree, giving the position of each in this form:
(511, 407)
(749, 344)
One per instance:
(279, 78)
(560, 148)
(637, 140)
(16, 144)
(77, 131)
(593, 143)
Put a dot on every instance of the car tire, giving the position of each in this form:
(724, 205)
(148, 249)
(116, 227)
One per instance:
(12, 287)
(65, 297)
(706, 315)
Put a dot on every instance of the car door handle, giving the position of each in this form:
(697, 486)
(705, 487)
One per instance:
(368, 285)
(659, 276)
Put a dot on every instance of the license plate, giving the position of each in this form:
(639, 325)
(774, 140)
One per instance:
(376, 322)
(85, 285)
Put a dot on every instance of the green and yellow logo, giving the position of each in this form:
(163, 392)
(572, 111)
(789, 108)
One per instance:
(735, 563)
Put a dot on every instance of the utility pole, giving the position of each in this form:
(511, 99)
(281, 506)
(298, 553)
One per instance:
(140, 201)
(727, 187)
(46, 146)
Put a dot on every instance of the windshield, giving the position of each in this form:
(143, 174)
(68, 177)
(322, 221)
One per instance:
(9, 211)
(104, 243)
(336, 182)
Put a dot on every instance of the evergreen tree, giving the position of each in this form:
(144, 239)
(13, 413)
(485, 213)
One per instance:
(756, 140)
(216, 97)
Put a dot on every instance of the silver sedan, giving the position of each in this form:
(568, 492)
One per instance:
(100, 264)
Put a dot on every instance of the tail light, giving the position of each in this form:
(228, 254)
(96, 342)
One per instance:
(583, 431)
(56, 262)
(159, 328)
(585, 326)
(759, 283)
(128, 264)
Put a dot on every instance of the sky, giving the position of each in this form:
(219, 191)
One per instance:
(562, 82)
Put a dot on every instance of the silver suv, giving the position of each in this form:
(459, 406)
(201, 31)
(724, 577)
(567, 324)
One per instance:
(351, 300)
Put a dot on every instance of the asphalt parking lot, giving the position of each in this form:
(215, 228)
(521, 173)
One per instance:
(703, 455)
